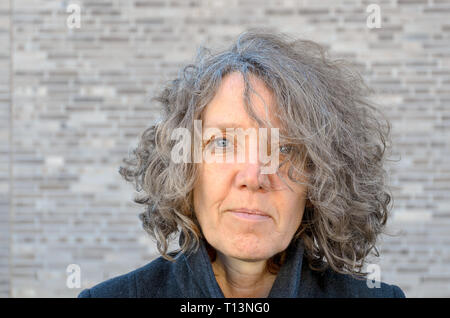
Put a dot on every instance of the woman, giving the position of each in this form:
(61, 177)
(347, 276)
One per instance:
(304, 229)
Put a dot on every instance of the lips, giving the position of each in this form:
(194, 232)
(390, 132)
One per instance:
(250, 214)
(250, 211)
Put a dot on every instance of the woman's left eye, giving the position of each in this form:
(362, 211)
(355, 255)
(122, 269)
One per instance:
(285, 149)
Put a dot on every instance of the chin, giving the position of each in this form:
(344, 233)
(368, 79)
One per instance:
(250, 250)
(249, 257)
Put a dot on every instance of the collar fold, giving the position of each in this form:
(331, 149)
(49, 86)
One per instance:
(286, 284)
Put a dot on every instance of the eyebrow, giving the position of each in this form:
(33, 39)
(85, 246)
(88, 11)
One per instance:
(223, 126)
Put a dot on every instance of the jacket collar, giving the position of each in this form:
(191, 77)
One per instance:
(286, 284)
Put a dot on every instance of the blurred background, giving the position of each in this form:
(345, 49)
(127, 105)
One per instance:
(73, 101)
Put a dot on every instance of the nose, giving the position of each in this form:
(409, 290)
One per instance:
(249, 172)
(249, 176)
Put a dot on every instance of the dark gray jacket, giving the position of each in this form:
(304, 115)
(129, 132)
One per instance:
(192, 277)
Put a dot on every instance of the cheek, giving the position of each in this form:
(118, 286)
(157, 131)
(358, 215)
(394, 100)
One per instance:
(293, 210)
(216, 177)
(210, 189)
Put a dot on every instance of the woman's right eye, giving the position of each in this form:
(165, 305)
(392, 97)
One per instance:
(221, 142)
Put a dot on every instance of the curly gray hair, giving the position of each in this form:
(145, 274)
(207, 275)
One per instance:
(326, 112)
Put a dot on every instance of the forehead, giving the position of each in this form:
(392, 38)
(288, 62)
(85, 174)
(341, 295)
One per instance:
(227, 106)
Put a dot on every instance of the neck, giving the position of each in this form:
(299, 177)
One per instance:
(242, 279)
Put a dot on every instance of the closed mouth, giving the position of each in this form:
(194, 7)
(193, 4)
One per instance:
(250, 214)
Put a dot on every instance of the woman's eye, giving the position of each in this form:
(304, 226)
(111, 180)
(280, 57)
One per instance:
(285, 149)
(221, 142)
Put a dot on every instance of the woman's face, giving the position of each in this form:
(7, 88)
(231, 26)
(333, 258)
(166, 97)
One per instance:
(223, 187)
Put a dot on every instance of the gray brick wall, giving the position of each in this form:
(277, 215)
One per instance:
(5, 104)
(79, 99)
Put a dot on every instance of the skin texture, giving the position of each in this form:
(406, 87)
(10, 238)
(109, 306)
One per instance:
(243, 246)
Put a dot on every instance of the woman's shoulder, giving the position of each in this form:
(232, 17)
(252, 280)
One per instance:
(333, 284)
(137, 283)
